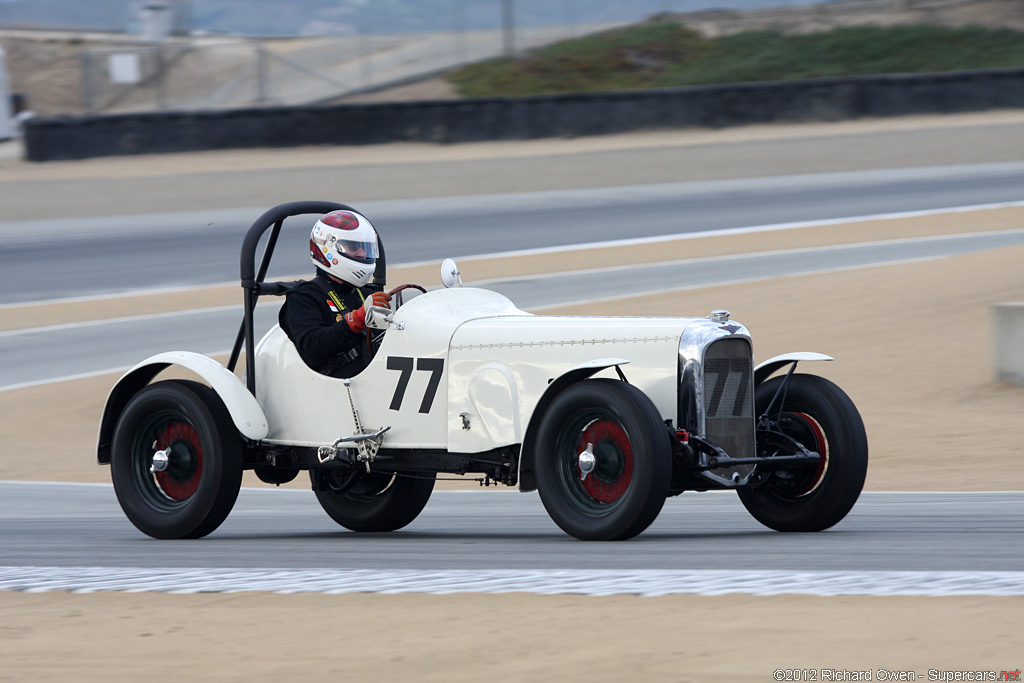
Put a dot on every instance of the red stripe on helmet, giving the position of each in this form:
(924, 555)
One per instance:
(317, 255)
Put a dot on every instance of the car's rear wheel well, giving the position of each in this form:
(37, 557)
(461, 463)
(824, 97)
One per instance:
(246, 413)
(120, 395)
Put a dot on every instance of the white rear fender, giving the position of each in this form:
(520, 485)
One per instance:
(773, 365)
(245, 411)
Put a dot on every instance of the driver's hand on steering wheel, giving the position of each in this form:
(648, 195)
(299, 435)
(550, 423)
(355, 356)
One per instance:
(371, 314)
(379, 300)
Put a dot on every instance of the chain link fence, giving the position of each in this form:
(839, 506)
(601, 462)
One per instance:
(358, 48)
(190, 75)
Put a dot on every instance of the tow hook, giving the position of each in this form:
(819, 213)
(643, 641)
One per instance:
(367, 445)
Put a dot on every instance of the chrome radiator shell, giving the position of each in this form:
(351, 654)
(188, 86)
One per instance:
(716, 393)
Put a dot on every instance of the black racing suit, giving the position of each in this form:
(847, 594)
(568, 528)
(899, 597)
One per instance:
(313, 317)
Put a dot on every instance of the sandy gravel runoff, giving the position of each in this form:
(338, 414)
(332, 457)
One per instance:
(249, 637)
(913, 349)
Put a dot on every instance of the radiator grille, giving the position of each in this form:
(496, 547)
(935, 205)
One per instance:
(729, 399)
(727, 387)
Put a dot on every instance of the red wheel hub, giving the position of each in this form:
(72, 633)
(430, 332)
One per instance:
(181, 478)
(822, 448)
(614, 468)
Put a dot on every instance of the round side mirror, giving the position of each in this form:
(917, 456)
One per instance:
(450, 276)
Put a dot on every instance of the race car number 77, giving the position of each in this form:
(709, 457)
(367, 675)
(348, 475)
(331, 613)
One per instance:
(404, 364)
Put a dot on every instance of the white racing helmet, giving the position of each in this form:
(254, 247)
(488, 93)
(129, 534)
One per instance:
(344, 244)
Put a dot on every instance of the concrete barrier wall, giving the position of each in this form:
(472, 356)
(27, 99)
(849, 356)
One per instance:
(1008, 341)
(520, 118)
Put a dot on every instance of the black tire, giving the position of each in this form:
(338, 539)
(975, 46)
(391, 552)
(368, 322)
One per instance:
(627, 487)
(372, 502)
(819, 415)
(194, 495)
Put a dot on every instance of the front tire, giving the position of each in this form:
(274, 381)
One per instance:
(197, 488)
(819, 415)
(372, 502)
(632, 460)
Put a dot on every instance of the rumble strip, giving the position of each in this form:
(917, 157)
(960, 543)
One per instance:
(545, 582)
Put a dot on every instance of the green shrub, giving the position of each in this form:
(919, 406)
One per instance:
(667, 55)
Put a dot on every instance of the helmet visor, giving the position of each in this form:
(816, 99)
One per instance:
(363, 251)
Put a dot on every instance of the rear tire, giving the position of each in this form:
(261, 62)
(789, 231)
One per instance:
(819, 415)
(373, 502)
(632, 470)
(198, 488)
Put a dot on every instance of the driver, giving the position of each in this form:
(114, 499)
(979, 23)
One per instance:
(327, 317)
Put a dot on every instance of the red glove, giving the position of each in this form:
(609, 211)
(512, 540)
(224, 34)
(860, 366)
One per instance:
(365, 315)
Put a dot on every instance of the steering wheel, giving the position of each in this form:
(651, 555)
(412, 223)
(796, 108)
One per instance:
(401, 288)
(373, 340)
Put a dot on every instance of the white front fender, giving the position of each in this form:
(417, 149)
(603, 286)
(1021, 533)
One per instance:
(770, 366)
(245, 411)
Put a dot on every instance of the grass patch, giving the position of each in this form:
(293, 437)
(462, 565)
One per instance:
(664, 55)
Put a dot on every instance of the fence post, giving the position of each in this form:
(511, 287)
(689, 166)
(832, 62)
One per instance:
(261, 73)
(85, 79)
(459, 21)
(508, 22)
(160, 86)
(365, 49)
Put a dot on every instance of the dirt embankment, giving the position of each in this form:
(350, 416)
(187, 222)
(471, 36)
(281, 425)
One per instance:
(829, 15)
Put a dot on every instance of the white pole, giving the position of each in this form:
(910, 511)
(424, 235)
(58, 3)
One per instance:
(6, 125)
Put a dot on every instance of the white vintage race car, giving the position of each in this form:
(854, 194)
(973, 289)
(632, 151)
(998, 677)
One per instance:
(605, 416)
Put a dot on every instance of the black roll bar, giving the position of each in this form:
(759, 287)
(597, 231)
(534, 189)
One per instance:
(252, 280)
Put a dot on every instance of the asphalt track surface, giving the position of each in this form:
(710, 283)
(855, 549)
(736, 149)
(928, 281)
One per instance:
(916, 543)
(94, 256)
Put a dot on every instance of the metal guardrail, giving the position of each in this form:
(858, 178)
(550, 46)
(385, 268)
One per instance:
(519, 118)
